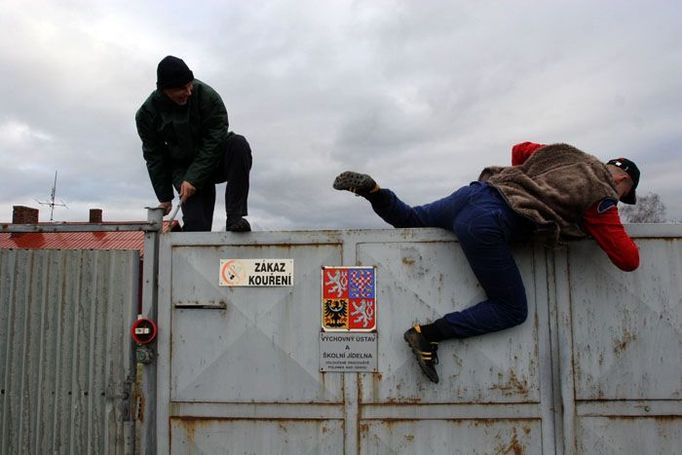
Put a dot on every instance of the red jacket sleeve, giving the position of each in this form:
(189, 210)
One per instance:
(521, 152)
(602, 222)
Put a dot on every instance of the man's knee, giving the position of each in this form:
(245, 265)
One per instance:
(517, 311)
(237, 155)
(236, 143)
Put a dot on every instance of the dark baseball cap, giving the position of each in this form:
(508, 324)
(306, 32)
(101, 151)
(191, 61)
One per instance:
(633, 171)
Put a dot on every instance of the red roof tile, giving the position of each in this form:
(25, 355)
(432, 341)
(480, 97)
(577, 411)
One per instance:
(133, 240)
(110, 240)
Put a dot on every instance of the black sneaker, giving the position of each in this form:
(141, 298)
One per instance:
(360, 184)
(424, 350)
(239, 225)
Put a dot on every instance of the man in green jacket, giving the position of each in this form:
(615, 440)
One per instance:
(187, 145)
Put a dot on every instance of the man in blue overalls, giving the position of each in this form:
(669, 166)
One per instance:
(554, 188)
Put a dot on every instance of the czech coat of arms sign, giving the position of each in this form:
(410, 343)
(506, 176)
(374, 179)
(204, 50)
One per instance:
(349, 299)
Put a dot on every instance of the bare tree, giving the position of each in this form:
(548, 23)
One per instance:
(649, 209)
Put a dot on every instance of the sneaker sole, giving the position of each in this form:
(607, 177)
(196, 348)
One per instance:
(428, 371)
(354, 182)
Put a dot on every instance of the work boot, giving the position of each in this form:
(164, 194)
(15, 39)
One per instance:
(360, 184)
(424, 350)
(237, 224)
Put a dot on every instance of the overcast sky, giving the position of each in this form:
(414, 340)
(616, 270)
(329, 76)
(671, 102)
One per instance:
(420, 94)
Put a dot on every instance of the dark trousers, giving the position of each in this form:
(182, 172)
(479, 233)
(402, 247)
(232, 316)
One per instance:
(485, 226)
(234, 168)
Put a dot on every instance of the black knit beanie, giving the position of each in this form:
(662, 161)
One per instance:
(172, 72)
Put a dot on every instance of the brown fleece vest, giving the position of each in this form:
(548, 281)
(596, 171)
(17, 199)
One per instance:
(554, 187)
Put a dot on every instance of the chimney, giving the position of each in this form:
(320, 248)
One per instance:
(24, 215)
(95, 215)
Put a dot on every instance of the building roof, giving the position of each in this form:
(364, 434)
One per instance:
(74, 240)
(108, 240)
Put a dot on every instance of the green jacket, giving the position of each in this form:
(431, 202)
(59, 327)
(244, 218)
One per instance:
(182, 142)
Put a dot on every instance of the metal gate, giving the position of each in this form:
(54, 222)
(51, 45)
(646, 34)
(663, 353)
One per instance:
(65, 351)
(596, 368)
(620, 341)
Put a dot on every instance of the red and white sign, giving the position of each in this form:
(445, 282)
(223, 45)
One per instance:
(256, 272)
(349, 299)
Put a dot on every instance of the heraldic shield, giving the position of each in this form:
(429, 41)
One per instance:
(349, 299)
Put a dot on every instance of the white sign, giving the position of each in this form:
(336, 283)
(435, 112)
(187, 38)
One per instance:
(256, 272)
(348, 352)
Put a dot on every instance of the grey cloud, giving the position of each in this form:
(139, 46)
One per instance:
(420, 94)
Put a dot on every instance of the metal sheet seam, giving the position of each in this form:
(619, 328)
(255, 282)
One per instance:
(544, 348)
(565, 350)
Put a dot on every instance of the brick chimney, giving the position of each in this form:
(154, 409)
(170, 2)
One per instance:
(95, 215)
(24, 215)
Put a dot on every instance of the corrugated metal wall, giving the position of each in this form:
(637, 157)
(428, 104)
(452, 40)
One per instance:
(596, 368)
(65, 350)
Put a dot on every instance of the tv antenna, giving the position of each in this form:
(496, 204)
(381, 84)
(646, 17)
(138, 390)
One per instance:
(52, 202)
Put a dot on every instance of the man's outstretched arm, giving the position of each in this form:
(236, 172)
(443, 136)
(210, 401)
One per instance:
(602, 222)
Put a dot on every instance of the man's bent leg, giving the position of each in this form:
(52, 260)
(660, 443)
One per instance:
(483, 235)
(236, 167)
(197, 211)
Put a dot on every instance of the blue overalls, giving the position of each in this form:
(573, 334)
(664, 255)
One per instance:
(485, 226)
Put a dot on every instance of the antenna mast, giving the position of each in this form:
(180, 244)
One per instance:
(52, 202)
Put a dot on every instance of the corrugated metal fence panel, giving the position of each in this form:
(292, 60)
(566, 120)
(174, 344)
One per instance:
(65, 352)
